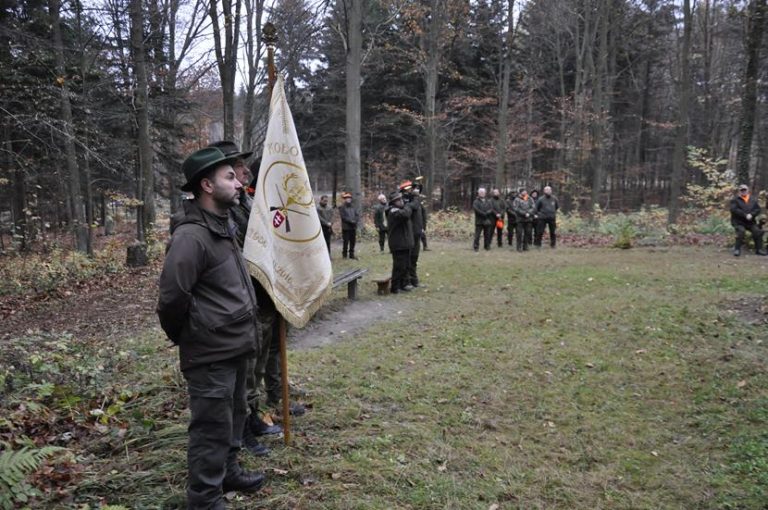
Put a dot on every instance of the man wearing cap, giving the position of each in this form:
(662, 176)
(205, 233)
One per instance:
(744, 212)
(498, 205)
(484, 218)
(207, 307)
(350, 217)
(380, 220)
(400, 241)
(325, 213)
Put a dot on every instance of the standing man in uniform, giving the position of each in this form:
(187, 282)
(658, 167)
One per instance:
(350, 217)
(207, 306)
(380, 220)
(546, 209)
(511, 217)
(265, 364)
(744, 211)
(400, 241)
(498, 205)
(525, 211)
(418, 185)
(325, 213)
(484, 217)
(412, 198)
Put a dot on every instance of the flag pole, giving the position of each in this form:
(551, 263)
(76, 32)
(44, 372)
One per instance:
(269, 36)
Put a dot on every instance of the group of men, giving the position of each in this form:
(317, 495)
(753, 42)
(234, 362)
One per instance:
(528, 215)
(224, 324)
(350, 220)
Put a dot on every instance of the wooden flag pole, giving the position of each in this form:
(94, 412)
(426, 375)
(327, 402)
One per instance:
(269, 36)
(284, 380)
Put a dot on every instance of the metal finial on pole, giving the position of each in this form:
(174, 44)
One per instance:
(269, 36)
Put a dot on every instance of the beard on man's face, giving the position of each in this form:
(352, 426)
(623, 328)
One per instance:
(226, 196)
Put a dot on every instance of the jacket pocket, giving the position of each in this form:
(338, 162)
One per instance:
(235, 322)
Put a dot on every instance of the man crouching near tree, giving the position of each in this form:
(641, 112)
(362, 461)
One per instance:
(207, 307)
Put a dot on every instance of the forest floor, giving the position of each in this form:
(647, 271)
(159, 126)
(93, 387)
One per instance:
(570, 378)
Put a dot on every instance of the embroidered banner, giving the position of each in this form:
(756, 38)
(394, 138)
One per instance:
(284, 246)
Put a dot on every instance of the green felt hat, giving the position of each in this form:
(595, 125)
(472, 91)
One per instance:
(199, 162)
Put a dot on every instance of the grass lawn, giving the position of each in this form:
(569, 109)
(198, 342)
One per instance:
(569, 378)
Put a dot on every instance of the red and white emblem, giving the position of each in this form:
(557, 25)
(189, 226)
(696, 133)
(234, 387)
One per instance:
(278, 219)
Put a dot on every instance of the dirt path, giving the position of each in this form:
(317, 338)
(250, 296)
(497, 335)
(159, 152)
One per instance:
(346, 320)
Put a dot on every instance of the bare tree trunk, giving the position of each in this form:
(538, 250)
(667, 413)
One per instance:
(86, 160)
(502, 141)
(603, 93)
(756, 13)
(681, 135)
(707, 43)
(353, 62)
(226, 58)
(254, 10)
(529, 133)
(430, 91)
(145, 214)
(75, 193)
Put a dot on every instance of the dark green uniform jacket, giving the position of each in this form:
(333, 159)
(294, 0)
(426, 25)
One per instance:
(399, 227)
(207, 304)
(417, 216)
(483, 211)
(325, 214)
(380, 216)
(349, 217)
(546, 207)
(498, 205)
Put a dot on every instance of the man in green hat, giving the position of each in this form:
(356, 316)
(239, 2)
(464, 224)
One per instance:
(258, 363)
(207, 307)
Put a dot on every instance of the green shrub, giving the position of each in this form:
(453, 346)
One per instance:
(621, 228)
(714, 224)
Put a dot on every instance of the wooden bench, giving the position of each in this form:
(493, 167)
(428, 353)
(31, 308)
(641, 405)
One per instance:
(350, 278)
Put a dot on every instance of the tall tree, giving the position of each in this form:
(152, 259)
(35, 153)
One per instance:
(77, 213)
(506, 73)
(756, 13)
(353, 11)
(681, 130)
(145, 174)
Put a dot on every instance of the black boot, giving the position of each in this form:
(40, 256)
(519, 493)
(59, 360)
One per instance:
(261, 428)
(294, 408)
(237, 479)
(252, 444)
